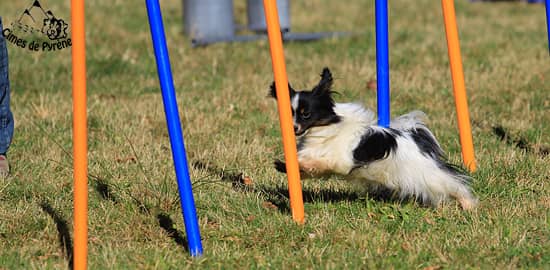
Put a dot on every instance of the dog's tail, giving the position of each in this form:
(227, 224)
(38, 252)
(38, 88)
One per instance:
(448, 178)
(410, 120)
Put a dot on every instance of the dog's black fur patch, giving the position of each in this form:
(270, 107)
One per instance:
(454, 169)
(375, 145)
(279, 166)
(273, 91)
(427, 144)
(429, 147)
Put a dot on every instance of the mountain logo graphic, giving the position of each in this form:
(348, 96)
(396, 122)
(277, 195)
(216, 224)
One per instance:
(47, 32)
(35, 19)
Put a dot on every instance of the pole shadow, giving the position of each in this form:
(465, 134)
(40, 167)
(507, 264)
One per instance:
(520, 142)
(235, 178)
(104, 189)
(167, 224)
(64, 235)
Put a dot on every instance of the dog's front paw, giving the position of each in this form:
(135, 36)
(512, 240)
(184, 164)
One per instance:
(312, 167)
(280, 166)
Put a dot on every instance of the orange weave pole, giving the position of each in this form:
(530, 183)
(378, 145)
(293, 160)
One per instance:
(80, 148)
(459, 89)
(285, 111)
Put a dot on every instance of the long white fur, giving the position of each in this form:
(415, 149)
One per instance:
(329, 149)
(294, 104)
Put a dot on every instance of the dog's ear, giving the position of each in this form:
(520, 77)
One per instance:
(273, 91)
(325, 84)
(280, 166)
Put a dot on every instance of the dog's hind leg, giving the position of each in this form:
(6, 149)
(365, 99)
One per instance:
(466, 200)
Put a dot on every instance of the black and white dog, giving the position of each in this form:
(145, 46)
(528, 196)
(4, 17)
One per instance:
(344, 139)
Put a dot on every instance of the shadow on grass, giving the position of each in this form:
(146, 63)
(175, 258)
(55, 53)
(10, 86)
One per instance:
(278, 196)
(167, 225)
(235, 178)
(63, 232)
(520, 142)
(104, 189)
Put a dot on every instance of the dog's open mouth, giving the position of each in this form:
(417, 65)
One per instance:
(300, 133)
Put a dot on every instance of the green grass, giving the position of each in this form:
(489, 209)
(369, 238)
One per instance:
(231, 128)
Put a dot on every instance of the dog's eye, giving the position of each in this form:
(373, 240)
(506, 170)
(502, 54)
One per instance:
(306, 115)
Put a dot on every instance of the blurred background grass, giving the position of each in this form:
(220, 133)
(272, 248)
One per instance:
(231, 130)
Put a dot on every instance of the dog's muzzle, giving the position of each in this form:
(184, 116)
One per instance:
(298, 131)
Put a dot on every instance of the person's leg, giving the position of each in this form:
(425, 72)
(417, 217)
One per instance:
(6, 117)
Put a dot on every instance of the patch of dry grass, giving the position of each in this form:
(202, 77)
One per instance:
(231, 128)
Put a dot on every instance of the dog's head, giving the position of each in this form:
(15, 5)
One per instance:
(312, 108)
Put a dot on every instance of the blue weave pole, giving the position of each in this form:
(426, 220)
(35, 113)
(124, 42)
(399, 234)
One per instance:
(547, 4)
(174, 128)
(382, 63)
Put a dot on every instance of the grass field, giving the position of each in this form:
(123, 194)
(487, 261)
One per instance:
(231, 131)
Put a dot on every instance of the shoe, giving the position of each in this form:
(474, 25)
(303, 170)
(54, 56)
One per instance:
(4, 166)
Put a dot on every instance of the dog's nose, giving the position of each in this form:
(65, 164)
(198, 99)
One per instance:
(295, 129)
